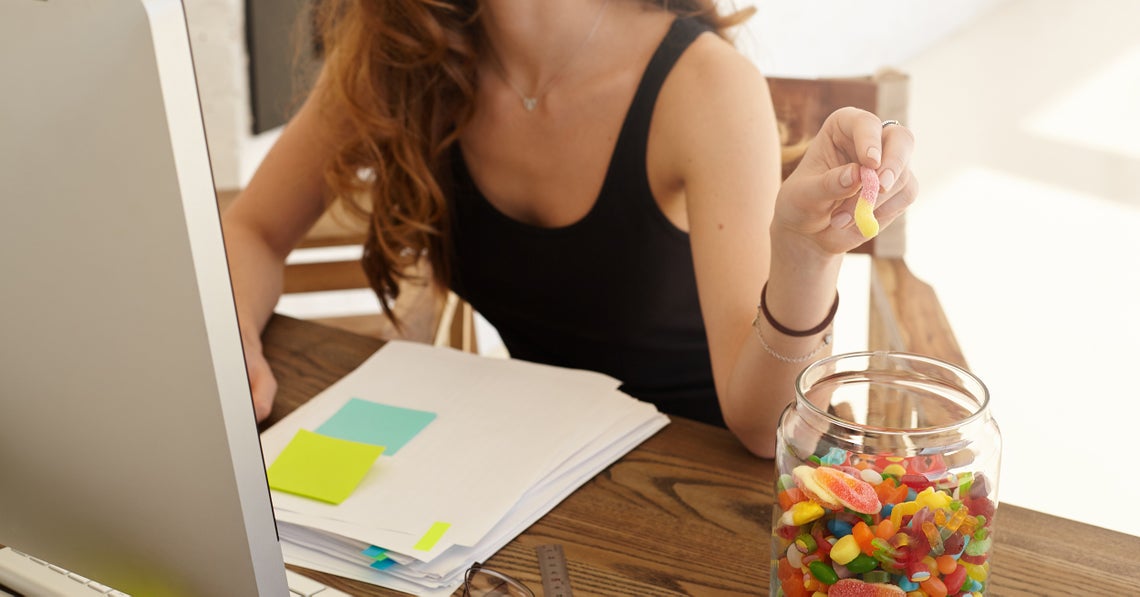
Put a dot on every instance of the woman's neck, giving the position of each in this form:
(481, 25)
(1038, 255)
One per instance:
(535, 40)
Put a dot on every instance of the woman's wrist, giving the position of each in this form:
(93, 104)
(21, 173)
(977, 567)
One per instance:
(800, 292)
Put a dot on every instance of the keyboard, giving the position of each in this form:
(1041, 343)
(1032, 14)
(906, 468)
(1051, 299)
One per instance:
(29, 575)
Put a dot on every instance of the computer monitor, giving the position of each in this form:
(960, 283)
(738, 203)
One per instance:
(128, 447)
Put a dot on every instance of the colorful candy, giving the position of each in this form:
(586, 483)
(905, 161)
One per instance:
(855, 526)
(850, 587)
(865, 205)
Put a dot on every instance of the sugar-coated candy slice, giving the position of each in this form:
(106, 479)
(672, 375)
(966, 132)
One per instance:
(853, 587)
(865, 205)
(852, 492)
(804, 476)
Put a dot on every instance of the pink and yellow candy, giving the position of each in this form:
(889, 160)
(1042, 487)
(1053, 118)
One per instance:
(865, 205)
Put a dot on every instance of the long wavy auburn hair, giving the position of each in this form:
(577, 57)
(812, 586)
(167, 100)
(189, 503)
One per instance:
(401, 76)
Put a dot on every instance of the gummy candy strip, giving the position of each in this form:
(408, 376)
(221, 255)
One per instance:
(865, 205)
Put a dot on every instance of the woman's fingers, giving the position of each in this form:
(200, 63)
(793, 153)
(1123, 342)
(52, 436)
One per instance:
(898, 144)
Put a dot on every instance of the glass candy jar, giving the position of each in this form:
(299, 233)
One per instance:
(887, 468)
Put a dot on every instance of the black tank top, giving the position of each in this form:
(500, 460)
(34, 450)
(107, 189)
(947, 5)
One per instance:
(613, 292)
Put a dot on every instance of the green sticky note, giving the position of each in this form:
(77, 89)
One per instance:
(321, 467)
(432, 537)
(378, 424)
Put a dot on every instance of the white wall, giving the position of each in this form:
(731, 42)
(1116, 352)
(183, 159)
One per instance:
(217, 39)
(830, 38)
(797, 38)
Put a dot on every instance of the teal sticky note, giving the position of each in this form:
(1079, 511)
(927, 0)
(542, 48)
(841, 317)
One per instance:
(374, 552)
(377, 424)
(383, 564)
(321, 467)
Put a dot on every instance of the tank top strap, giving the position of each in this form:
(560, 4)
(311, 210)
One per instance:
(633, 141)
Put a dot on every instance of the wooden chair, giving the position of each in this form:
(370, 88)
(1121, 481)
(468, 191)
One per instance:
(427, 316)
(801, 107)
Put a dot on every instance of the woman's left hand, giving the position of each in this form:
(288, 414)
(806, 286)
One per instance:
(817, 201)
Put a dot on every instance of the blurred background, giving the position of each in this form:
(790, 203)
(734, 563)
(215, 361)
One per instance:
(1027, 226)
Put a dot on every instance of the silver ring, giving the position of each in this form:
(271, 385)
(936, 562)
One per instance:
(887, 123)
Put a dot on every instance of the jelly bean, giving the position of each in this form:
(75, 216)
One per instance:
(906, 585)
(933, 587)
(823, 573)
(838, 527)
(802, 513)
(815, 459)
(845, 550)
(870, 476)
(794, 557)
(978, 572)
(862, 563)
(896, 470)
(886, 511)
(946, 565)
(886, 528)
(863, 536)
(918, 572)
(955, 579)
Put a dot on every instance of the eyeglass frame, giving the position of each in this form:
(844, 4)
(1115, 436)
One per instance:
(478, 567)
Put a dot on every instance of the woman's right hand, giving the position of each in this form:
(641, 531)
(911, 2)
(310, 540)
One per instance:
(262, 384)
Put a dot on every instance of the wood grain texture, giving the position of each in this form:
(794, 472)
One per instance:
(689, 511)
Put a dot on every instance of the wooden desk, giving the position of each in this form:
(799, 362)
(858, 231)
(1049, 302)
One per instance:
(689, 511)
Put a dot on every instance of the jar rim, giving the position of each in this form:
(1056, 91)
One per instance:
(983, 399)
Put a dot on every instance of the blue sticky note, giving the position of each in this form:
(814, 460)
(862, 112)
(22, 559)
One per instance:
(377, 424)
(374, 552)
(383, 564)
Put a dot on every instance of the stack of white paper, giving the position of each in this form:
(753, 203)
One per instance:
(509, 441)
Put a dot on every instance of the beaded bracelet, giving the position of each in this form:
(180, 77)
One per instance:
(789, 331)
(824, 344)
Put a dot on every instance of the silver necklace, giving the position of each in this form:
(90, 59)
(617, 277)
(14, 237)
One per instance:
(530, 102)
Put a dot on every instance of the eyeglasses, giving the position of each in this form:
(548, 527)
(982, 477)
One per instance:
(485, 582)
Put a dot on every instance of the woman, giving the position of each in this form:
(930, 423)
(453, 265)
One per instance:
(599, 178)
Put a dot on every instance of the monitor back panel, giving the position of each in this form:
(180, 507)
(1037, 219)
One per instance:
(128, 447)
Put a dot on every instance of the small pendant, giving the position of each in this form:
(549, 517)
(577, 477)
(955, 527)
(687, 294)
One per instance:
(530, 103)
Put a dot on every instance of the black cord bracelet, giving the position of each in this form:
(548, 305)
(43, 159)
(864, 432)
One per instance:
(789, 331)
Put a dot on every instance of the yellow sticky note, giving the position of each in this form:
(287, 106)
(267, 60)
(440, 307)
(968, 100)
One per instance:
(321, 467)
(433, 536)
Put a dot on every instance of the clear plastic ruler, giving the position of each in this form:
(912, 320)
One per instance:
(552, 566)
